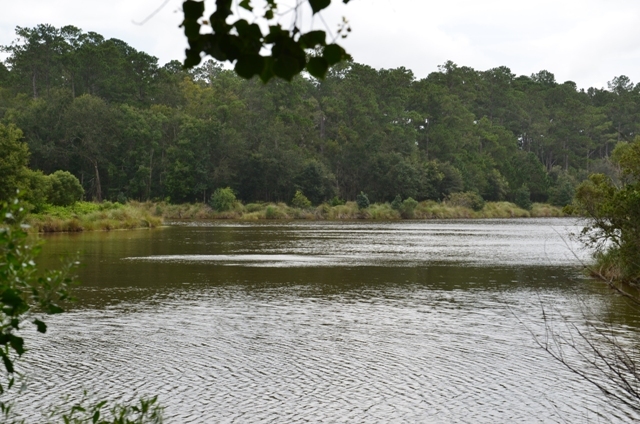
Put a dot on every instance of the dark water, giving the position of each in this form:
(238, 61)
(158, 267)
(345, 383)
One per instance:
(326, 322)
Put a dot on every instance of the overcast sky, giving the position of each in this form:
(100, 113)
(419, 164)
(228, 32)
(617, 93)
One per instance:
(585, 41)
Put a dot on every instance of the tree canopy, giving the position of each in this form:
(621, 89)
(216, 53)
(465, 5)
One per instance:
(129, 128)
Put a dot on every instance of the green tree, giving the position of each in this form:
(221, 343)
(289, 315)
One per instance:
(300, 201)
(614, 216)
(522, 197)
(65, 189)
(362, 200)
(14, 156)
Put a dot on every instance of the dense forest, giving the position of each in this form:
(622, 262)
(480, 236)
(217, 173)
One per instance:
(129, 128)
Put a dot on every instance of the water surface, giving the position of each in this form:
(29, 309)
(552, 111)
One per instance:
(313, 321)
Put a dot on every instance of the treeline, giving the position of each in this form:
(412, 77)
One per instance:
(129, 128)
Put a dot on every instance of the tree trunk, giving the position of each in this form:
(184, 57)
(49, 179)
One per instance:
(150, 174)
(33, 85)
(98, 186)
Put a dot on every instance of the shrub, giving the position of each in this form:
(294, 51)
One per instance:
(613, 214)
(468, 199)
(362, 200)
(38, 187)
(65, 189)
(253, 207)
(336, 201)
(408, 207)
(562, 192)
(300, 201)
(397, 202)
(273, 212)
(497, 186)
(522, 197)
(223, 199)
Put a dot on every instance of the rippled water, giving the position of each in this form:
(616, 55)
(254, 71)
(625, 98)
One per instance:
(326, 322)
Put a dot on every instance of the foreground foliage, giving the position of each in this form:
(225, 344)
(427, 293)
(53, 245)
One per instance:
(27, 294)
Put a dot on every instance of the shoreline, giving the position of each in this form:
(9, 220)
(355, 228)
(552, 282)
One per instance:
(107, 216)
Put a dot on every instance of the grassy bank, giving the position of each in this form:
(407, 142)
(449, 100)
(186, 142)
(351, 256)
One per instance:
(87, 216)
(379, 211)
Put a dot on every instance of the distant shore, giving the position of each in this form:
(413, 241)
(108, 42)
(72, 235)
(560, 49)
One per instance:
(88, 216)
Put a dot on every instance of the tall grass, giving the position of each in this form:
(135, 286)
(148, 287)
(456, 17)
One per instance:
(87, 216)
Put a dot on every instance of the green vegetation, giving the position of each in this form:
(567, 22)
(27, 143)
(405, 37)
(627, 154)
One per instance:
(408, 209)
(130, 129)
(613, 213)
(223, 199)
(300, 201)
(88, 216)
(362, 200)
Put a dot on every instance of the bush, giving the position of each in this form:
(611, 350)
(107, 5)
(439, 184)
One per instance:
(362, 200)
(468, 199)
(253, 207)
(38, 187)
(497, 186)
(613, 212)
(522, 197)
(223, 199)
(65, 189)
(300, 201)
(408, 207)
(336, 201)
(397, 203)
(563, 190)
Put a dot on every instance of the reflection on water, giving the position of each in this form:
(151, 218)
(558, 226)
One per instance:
(308, 321)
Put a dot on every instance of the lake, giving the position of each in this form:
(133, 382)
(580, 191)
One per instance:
(408, 321)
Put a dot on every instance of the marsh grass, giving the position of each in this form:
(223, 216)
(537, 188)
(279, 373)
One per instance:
(87, 216)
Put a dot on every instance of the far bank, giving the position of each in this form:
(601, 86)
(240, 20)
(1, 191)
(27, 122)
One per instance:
(89, 216)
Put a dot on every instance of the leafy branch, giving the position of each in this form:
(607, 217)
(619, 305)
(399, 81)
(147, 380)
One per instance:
(244, 43)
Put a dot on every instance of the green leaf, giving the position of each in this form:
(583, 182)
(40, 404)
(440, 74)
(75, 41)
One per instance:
(191, 30)
(318, 67)
(7, 363)
(249, 65)
(318, 5)
(96, 416)
(246, 4)
(286, 67)
(17, 343)
(312, 39)
(267, 72)
(54, 309)
(193, 10)
(333, 53)
(13, 299)
(42, 327)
